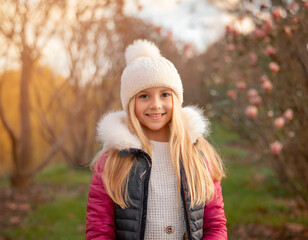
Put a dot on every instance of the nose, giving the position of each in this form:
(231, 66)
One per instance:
(156, 103)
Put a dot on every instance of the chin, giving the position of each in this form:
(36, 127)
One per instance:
(154, 129)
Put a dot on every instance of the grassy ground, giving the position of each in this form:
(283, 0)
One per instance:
(60, 214)
(251, 194)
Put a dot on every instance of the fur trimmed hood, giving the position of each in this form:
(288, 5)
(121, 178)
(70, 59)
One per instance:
(113, 132)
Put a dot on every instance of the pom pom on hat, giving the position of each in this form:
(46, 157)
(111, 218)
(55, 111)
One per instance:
(141, 48)
(146, 68)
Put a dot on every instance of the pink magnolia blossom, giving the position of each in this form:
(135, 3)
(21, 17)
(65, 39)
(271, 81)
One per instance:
(158, 29)
(276, 13)
(288, 114)
(270, 113)
(267, 26)
(270, 50)
(279, 122)
(251, 111)
(230, 47)
(295, 20)
(188, 50)
(241, 85)
(187, 46)
(232, 94)
(256, 100)
(276, 147)
(252, 59)
(259, 33)
(293, 6)
(189, 53)
(252, 93)
(288, 31)
(264, 78)
(235, 32)
(267, 85)
(228, 29)
(169, 36)
(274, 67)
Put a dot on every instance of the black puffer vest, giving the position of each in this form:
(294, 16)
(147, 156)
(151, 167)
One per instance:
(130, 222)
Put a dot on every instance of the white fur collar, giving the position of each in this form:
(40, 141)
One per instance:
(112, 130)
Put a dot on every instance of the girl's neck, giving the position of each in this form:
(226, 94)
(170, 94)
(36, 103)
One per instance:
(159, 136)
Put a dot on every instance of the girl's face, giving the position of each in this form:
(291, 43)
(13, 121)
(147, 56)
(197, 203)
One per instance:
(153, 108)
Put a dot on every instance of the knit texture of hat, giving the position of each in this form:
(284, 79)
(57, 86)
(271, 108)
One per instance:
(146, 68)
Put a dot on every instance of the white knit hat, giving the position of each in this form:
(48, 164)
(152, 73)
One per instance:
(146, 68)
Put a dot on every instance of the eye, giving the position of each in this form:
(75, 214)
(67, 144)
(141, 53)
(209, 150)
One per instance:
(143, 96)
(165, 94)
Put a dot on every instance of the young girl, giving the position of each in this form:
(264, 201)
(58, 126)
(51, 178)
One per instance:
(156, 177)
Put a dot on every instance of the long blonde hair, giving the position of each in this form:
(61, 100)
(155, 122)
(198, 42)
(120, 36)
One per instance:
(201, 163)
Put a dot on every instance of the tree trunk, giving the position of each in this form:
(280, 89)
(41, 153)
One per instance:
(20, 181)
(19, 178)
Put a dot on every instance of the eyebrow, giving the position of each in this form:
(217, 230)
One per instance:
(163, 90)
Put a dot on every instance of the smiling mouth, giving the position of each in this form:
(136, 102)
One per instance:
(155, 114)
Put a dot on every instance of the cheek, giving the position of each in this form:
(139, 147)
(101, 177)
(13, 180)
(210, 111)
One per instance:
(170, 106)
(138, 109)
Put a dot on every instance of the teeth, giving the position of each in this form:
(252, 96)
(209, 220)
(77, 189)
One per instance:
(155, 115)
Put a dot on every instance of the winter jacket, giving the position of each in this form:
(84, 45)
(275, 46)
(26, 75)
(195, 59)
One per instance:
(107, 220)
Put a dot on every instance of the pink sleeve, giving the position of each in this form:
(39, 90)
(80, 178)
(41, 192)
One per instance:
(214, 221)
(100, 209)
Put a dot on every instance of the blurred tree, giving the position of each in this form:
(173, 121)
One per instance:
(260, 85)
(94, 36)
(26, 27)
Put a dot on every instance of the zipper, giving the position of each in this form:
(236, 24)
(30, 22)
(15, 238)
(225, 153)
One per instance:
(140, 222)
(146, 177)
(186, 209)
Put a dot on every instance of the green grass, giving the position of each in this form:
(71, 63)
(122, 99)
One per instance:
(63, 218)
(247, 201)
(58, 174)
(62, 174)
(221, 137)
(4, 181)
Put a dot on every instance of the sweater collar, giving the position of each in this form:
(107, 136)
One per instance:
(113, 132)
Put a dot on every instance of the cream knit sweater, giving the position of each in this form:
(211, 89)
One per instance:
(165, 212)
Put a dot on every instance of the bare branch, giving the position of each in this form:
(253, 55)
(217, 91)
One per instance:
(13, 135)
(55, 148)
(49, 133)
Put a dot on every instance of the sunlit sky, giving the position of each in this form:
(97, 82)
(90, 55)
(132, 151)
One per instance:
(192, 21)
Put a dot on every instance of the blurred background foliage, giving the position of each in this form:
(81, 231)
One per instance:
(253, 86)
